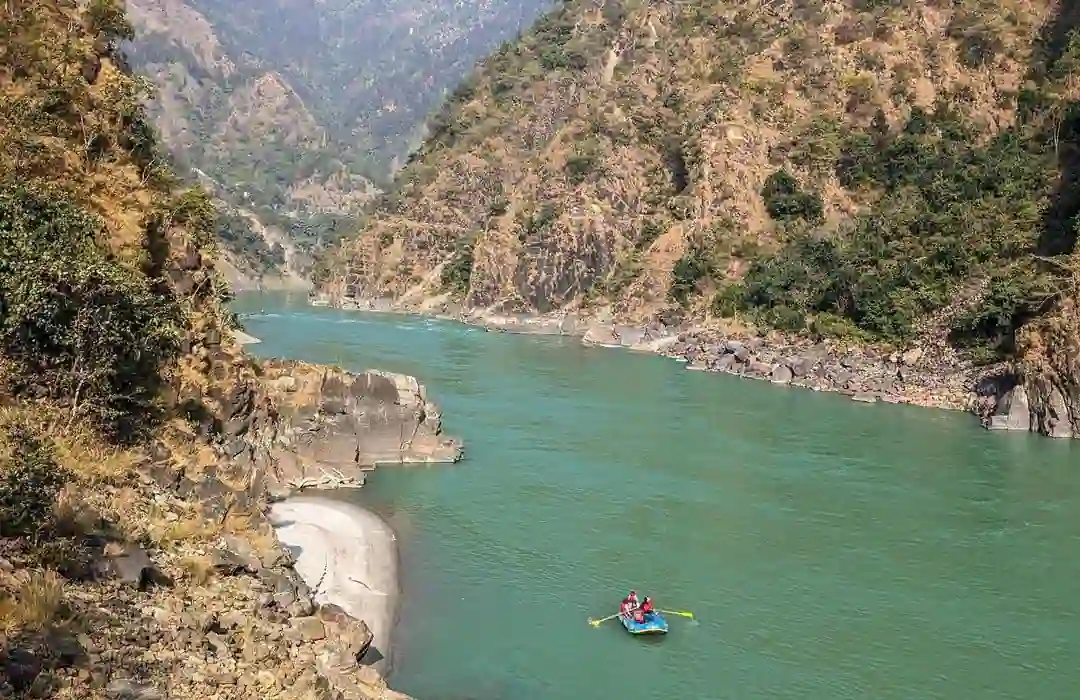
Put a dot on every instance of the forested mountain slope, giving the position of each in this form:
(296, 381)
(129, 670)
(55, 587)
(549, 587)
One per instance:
(874, 169)
(295, 111)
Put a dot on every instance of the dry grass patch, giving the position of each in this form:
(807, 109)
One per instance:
(198, 568)
(87, 456)
(30, 601)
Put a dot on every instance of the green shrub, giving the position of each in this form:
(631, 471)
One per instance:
(730, 300)
(951, 205)
(79, 325)
(690, 269)
(458, 271)
(30, 480)
(784, 318)
(786, 202)
(826, 325)
(578, 167)
(651, 229)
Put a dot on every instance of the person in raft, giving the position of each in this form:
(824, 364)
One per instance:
(630, 602)
(643, 610)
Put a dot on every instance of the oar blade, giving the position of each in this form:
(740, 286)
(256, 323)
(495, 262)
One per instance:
(679, 612)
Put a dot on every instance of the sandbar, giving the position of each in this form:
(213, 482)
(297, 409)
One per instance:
(348, 556)
(245, 338)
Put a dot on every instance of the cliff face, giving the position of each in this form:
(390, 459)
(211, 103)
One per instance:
(896, 174)
(135, 557)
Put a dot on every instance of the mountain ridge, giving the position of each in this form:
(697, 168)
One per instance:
(300, 111)
(881, 172)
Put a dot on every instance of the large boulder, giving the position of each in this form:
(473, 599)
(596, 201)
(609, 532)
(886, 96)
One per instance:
(338, 424)
(1012, 412)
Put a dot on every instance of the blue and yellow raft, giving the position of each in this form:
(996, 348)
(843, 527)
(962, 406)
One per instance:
(653, 623)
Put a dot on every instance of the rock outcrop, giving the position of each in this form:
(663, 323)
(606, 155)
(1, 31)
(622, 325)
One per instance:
(864, 374)
(332, 422)
(1040, 391)
(295, 426)
(1037, 404)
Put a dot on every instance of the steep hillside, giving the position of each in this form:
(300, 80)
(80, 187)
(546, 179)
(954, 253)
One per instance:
(295, 109)
(874, 169)
(136, 439)
(240, 129)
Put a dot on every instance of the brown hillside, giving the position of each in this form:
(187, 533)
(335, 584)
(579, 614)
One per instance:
(619, 151)
(245, 130)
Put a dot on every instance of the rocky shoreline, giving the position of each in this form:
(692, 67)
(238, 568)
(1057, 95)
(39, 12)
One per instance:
(295, 429)
(929, 375)
(863, 374)
(186, 591)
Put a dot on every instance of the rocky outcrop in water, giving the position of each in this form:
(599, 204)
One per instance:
(331, 424)
(1011, 401)
(303, 425)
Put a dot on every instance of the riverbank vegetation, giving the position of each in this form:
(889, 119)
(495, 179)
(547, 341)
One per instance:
(949, 207)
(880, 172)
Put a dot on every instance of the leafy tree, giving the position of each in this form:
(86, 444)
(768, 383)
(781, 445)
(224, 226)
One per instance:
(79, 326)
(457, 272)
(690, 269)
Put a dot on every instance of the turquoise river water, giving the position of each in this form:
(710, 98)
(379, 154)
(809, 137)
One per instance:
(828, 549)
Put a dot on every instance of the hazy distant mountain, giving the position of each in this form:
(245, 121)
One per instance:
(294, 109)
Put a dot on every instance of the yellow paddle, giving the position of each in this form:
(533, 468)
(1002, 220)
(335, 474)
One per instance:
(678, 612)
(596, 623)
